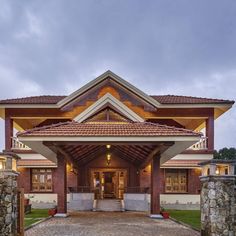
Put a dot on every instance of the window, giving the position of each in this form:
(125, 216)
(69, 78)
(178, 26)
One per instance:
(175, 181)
(41, 180)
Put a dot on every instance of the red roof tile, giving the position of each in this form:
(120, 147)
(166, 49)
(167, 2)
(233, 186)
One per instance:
(163, 99)
(34, 100)
(97, 129)
(175, 99)
(33, 162)
(182, 163)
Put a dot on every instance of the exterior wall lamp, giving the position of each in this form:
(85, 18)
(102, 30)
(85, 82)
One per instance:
(108, 159)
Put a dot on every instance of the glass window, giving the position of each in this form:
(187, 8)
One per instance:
(175, 181)
(41, 180)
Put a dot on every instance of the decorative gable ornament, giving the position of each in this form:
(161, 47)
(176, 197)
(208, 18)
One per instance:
(108, 100)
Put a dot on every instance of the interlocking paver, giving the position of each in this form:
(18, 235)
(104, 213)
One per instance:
(109, 224)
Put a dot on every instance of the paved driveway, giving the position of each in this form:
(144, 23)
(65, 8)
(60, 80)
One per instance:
(109, 223)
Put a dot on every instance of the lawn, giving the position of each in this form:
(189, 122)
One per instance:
(190, 217)
(35, 216)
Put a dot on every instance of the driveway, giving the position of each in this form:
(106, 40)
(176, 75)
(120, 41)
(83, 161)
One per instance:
(109, 223)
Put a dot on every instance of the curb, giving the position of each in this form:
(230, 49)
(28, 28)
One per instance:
(184, 224)
(38, 222)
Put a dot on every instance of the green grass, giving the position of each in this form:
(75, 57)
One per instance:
(35, 216)
(190, 217)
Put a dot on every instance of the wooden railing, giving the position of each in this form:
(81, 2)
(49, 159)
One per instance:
(137, 189)
(16, 144)
(81, 189)
(201, 145)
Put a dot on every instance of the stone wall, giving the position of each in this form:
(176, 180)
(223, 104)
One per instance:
(8, 203)
(218, 206)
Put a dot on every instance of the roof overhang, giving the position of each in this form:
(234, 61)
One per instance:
(180, 143)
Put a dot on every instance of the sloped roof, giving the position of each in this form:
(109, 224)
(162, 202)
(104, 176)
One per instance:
(35, 162)
(113, 129)
(176, 99)
(163, 99)
(45, 99)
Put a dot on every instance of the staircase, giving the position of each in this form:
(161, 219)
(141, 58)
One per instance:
(108, 205)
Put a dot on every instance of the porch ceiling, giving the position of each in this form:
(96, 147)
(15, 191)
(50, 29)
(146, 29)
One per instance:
(81, 155)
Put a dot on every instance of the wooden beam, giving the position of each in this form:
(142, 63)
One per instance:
(101, 143)
(8, 132)
(68, 157)
(210, 133)
(159, 149)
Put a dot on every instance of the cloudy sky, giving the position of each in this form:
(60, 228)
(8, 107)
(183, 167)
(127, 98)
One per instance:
(185, 47)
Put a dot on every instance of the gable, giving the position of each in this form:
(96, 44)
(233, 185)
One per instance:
(108, 101)
(108, 82)
(107, 115)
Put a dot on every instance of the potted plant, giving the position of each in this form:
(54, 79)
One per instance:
(26, 201)
(52, 211)
(164, 213)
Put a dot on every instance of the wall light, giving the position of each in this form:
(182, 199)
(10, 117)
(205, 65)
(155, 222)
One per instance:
(108, 159)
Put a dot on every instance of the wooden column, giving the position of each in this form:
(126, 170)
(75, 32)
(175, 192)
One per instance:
(60, 186)
(8, 132)
(155, 185)
(210, 133)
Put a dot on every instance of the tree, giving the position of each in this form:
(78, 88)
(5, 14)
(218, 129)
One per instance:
(225, 154)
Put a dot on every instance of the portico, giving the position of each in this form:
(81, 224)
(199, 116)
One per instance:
(83, 149)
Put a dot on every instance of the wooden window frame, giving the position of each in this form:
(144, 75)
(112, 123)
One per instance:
(41, 173)
(178, 173)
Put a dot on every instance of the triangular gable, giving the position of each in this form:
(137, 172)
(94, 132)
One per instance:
(106, 115)
(101, 78)
(108, 100)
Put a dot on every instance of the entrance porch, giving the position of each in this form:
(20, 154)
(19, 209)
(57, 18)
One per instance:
(108, 160)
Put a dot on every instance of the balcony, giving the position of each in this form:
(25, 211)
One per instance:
(17, 145)
(201, 145)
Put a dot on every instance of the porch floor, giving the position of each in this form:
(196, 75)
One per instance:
(109, 223)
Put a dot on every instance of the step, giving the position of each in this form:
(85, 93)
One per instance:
(108, 205)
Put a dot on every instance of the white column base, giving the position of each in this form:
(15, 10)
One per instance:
(61, 215)
(156, 216)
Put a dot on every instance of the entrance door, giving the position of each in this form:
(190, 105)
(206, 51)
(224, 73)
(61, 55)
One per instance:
(108, 183)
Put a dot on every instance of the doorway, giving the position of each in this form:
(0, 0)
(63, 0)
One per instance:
(108, 183)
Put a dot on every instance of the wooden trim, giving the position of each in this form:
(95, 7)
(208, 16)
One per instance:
(8, 131)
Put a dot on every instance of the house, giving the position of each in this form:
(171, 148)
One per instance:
(110, 140)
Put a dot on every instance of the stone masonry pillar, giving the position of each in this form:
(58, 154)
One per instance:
(8, 202)
(218, 205)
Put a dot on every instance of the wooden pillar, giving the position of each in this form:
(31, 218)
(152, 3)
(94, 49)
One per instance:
(155, 185)
(210, 133)
(60, 186)
(8, 132)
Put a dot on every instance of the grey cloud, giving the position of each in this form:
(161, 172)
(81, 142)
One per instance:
(177, 47)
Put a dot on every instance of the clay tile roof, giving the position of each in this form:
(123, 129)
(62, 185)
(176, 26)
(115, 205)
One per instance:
(163, 99)
(98, 129)
(47, 99)
(174, 99)
(33, 162)
(181, 163)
